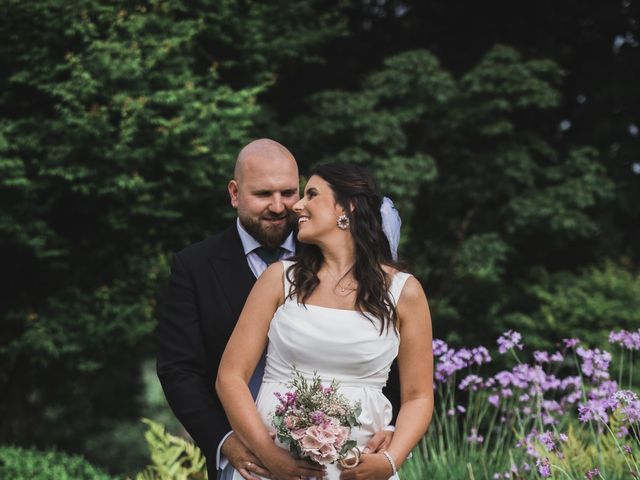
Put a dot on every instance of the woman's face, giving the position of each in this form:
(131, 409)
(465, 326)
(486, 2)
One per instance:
(317, 211)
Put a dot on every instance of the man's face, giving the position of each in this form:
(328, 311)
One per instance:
(264, 194)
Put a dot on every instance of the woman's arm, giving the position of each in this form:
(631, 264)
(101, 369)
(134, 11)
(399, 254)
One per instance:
(415, 362)
(243, 351)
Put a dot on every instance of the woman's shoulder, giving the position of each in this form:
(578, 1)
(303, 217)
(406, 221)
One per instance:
(273, 271)
(395, 274)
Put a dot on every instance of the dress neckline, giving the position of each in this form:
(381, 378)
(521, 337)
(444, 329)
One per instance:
(329, 308)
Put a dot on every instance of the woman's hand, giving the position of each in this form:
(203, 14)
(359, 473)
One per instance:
(372, 466)
(284, 467)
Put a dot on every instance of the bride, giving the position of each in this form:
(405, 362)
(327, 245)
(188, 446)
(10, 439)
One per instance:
(342, 309)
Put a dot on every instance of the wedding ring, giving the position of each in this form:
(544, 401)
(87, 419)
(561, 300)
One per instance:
(248, 464)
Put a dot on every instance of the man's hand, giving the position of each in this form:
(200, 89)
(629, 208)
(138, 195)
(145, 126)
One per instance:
(379, 442)
(245, 462)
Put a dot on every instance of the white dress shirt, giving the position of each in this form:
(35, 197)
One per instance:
(257, 266)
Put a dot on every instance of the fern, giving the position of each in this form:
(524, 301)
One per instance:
(172, 457)
(579, 454)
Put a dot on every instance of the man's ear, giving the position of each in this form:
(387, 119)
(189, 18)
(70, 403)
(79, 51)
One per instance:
(232, 187)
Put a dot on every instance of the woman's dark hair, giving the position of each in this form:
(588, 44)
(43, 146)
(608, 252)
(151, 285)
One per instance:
(355, 189)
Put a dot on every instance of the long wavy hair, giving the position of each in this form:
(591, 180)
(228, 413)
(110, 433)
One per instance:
(355, 189)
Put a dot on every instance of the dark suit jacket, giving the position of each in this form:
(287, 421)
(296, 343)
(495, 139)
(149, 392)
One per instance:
(209, 284)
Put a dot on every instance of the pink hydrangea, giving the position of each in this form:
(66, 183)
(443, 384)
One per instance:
(322, 443)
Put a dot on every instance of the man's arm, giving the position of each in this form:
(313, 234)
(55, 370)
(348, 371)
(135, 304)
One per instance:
(183, 367)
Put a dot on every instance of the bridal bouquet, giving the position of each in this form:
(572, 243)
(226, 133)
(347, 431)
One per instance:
(315, 421)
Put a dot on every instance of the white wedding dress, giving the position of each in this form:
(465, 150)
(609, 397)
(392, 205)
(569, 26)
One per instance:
(336, 344)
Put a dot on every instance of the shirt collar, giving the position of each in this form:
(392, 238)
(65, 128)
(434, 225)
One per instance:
(249, 244)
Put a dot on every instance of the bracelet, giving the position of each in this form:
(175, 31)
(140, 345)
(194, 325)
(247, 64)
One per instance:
(391, 462)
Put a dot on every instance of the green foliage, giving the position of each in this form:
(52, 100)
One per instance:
(487, 199)
(373, 126)
(173, 458)
(428, 461)
(25, 464)
(120, 126)
(121, 123)
(581, 453)
(585, 305)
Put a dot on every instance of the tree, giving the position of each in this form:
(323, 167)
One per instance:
(119, 131)
(488, 197)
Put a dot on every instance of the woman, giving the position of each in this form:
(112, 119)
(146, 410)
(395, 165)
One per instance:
(345, 312)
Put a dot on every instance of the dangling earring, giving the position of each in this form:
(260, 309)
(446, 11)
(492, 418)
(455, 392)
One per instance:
(343, 222)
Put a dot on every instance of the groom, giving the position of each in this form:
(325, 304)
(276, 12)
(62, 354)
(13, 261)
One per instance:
(209, 284)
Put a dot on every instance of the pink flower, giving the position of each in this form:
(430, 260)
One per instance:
(322, 442)
(290, 421)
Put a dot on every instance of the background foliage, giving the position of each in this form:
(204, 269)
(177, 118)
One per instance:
(507, 135)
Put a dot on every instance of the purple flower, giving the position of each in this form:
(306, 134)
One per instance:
(628, 340)
(622, 432)
(546, 439)
(541, 357)
(529, 444)
(509, 340)
(593, 410)
(591, 474)
(574, 385)
(629, 405)
(605, 390)
(474, 437)
(494, 400)
(439, 347)
(287, 399)
(450, 362)
(595, 363)
(471, 382)
(504, 378)
(627, 449)
(317, 417)
(480, 355)
(544, 468)
(570, 342)
(557, 357)
(451, 412)
(489, 382)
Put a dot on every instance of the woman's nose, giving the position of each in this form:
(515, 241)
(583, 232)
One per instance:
(298, 206)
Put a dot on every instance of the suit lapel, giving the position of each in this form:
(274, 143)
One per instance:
(232, 269)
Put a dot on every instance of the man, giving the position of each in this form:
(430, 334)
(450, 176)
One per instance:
(209, 284)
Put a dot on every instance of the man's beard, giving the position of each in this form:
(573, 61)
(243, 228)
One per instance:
(269, 235)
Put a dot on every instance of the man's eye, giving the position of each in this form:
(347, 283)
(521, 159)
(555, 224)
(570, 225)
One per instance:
(288, 194)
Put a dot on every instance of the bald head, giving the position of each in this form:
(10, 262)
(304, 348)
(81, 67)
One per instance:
(263, 151)
(264, 190)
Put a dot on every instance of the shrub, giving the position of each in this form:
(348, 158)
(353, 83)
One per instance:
(19, 463)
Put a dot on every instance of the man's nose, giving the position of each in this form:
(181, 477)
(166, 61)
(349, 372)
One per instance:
(277, 205)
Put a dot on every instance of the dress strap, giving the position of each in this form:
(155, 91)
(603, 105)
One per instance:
(397, 284)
